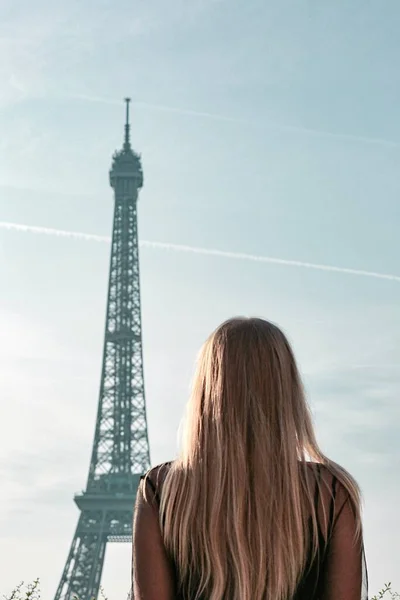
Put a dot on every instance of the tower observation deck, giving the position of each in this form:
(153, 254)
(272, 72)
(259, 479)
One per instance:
(120, 453)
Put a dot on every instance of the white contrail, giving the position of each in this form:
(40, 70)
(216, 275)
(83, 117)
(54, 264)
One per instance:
(219, 117)
(90, 237)
(162, 108)
(78, 235)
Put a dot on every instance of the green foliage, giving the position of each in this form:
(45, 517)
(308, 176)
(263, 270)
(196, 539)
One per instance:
(32, 592)
(386, 592)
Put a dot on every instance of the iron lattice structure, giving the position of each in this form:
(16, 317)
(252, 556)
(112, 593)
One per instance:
(120, 452)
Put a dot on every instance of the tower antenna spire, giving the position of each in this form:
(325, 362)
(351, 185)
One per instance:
(127, 140)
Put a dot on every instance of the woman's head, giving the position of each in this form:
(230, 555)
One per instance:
(236, 505)
(247, 396)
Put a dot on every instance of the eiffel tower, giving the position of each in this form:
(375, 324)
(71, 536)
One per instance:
(120, 453)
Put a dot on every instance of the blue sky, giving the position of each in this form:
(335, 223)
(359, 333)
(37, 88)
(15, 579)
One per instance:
(268, 128)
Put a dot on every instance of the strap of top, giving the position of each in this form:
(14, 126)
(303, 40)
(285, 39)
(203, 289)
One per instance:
(331, 519)
(316, 493)
(332, 505)
(152, 486)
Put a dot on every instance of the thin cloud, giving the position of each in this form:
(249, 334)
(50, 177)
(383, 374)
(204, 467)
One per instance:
(89, 237)
(371, 366)
(160, 107)
(219, 117)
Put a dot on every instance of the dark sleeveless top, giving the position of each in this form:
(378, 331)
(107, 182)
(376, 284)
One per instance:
(313, 580)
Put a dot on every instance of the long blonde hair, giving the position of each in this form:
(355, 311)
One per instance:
(235, 505)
